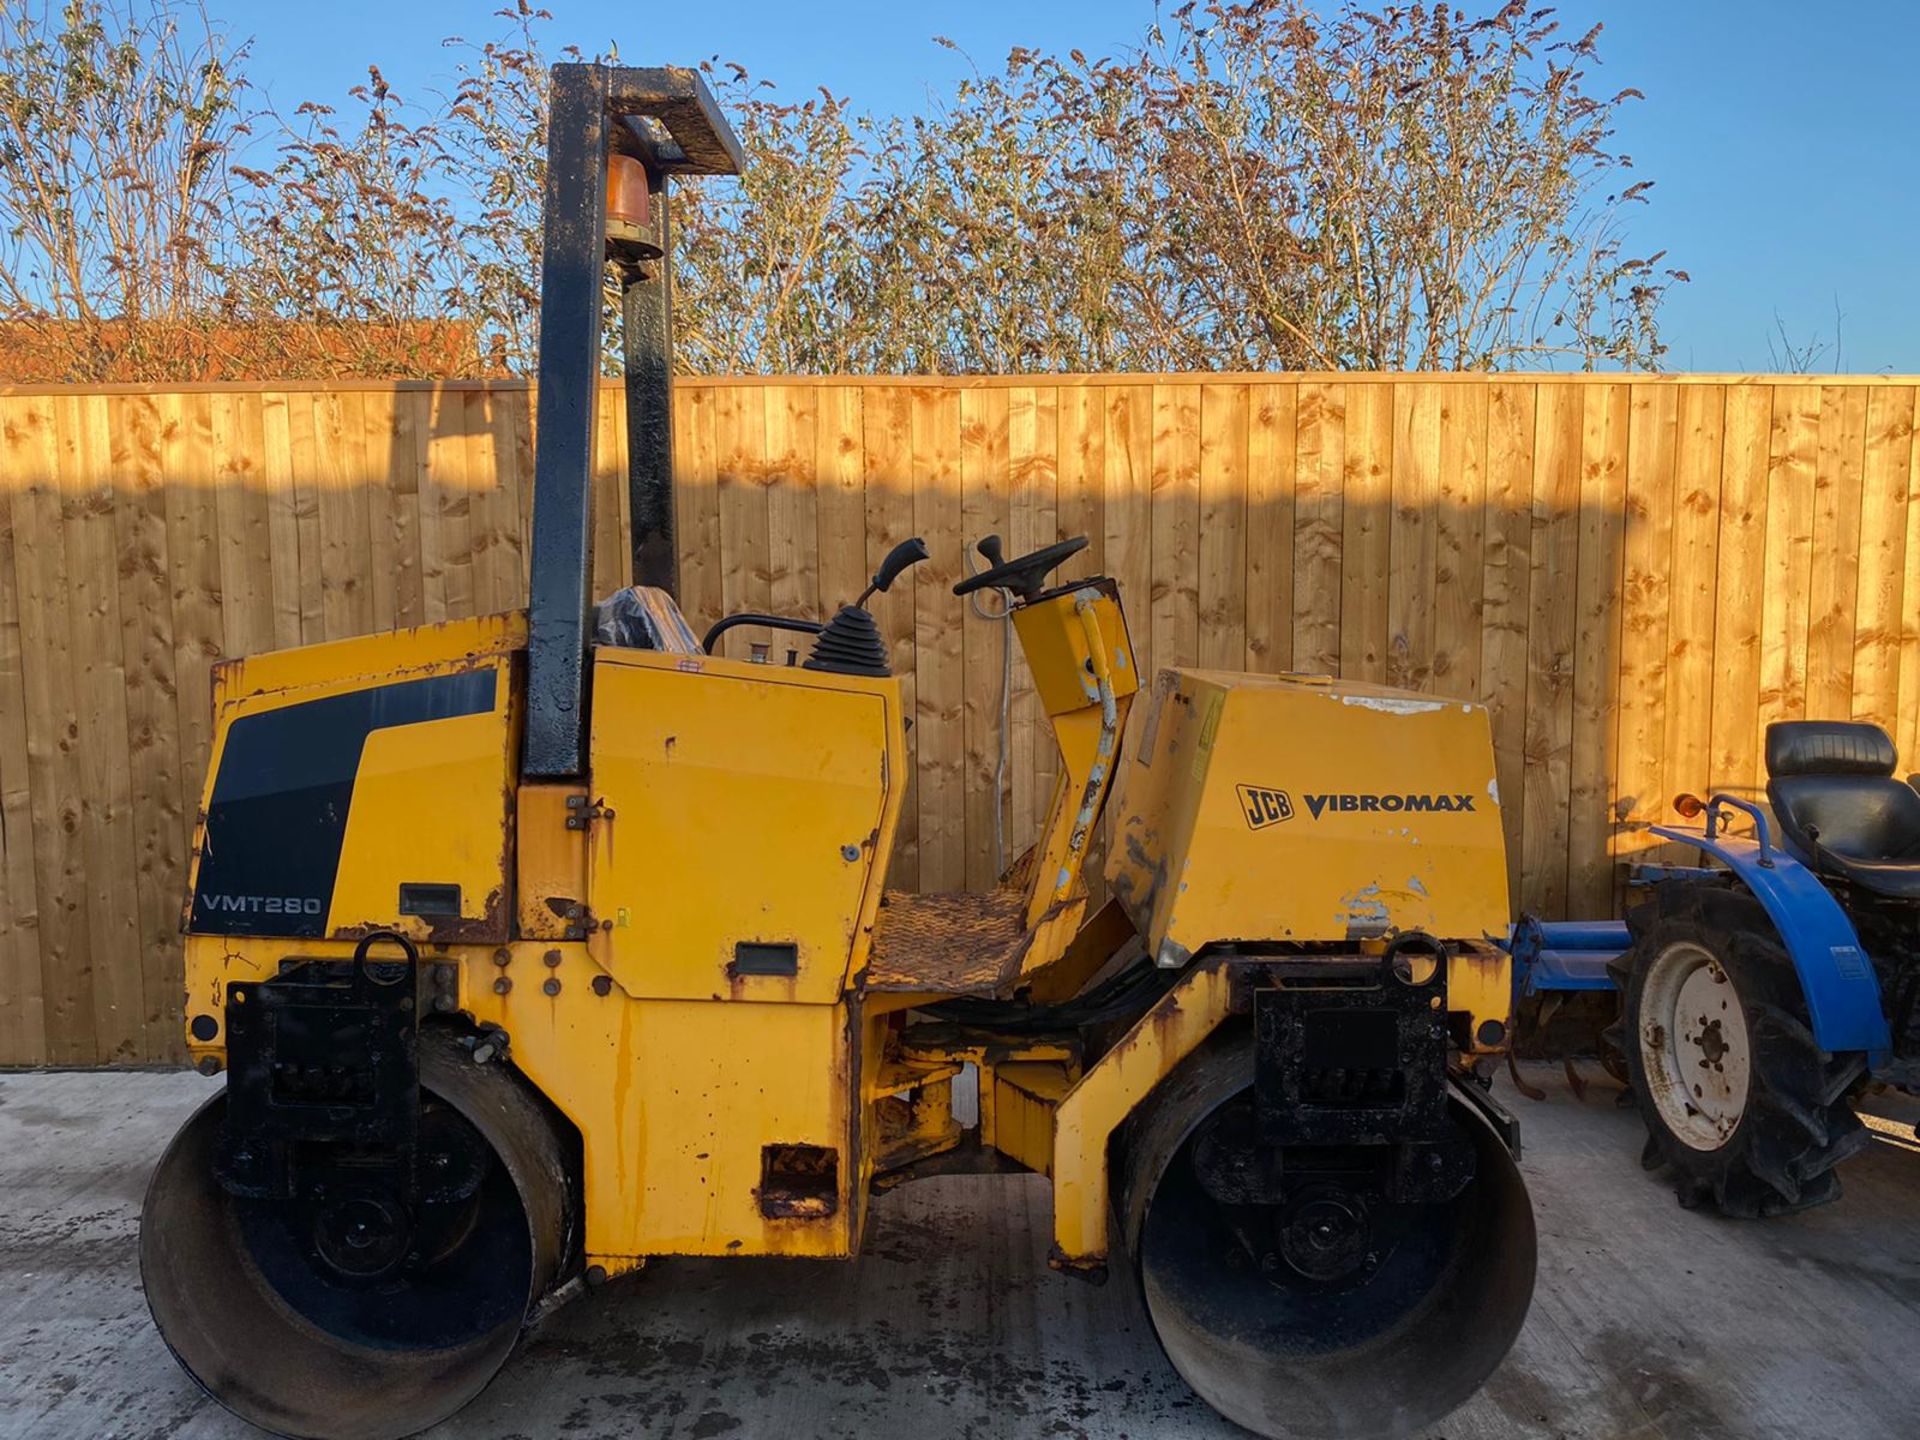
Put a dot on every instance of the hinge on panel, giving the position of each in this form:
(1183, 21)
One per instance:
(582, 812)
(579, 921)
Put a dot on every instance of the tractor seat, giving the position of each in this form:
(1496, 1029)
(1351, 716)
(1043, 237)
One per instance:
(1833, 792)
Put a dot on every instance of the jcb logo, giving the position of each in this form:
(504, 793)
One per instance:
(1263, 807)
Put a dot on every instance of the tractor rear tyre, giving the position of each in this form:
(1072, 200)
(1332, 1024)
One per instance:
(1740, 1103)
(357, 1315)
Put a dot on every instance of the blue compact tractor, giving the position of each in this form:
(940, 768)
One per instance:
(1763, 988)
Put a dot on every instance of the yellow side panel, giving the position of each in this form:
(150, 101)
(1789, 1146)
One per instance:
(550, 862)
(430, 807)
(430, 801)
(1263, 808)
(1085, 1118)
(676, 1101)
(451, 644)
(751, 811)
(1055, 647)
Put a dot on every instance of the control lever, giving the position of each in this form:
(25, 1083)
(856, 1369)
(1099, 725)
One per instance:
(907, 553)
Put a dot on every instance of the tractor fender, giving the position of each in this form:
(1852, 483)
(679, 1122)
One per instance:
(1843, 994)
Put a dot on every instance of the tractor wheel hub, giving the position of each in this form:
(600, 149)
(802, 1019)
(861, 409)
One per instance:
(1694, 1045)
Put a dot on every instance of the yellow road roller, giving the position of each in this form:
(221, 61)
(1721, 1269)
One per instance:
(536, 946)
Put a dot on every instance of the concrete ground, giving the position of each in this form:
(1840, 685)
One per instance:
(1649, 1321)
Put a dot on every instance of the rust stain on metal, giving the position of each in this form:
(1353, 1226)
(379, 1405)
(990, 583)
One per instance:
(486, 928)
(1486, 964)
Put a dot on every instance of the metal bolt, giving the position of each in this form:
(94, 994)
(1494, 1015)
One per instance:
(443, 1003)
(552, 987)
(596, 1275)
(551, 959)
(849, 853)
(603, 984)
(502, 956)
(209, 1065)
(502, 985)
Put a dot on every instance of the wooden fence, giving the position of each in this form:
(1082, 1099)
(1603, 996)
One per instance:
(1635, 575)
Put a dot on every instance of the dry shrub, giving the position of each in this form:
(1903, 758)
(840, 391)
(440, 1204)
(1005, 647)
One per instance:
(1253, 187)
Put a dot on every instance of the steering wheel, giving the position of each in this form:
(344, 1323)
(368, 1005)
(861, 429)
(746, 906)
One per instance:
(1024, 576)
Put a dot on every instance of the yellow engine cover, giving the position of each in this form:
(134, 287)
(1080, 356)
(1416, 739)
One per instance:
(1297, 809)
(748, 810)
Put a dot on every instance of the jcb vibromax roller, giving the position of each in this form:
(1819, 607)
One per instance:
(535, 946)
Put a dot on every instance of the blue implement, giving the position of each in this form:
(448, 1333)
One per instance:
(1565, 954)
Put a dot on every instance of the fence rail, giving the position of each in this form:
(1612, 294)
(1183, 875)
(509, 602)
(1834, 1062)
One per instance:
(1635, 575)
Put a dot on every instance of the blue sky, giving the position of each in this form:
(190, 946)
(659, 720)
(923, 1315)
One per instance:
(1780, 135)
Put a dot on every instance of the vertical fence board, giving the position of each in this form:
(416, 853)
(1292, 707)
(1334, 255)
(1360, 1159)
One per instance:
(1366, 550)
(1594, 749)
(1222, 583)
(1129, 507)
(792, 506)
(887, 427)
(148, 659)
(940, 734)
(1506, 603)
(1555, 542)
(50, 703)
(1740, 565)
(697, 515)
(986, 637)
(1909, 733)
(1319, 525)
(1413, 535)
(841, 500)
(1881, 572)
(1833, 580)
(1648, 582)
(739, 441)
(380, 477)
(23, 1016)
(99, 727)
(1634, 575)
(346, 584)
(1792, 476)
(1033, 442)
(1460, 541)
(1271, 454)
(1693, 594)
